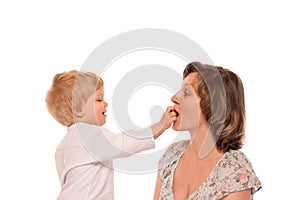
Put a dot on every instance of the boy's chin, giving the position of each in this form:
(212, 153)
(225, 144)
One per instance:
(101, 123)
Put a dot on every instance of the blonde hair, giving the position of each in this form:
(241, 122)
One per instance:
(222, 103)
(68, 93)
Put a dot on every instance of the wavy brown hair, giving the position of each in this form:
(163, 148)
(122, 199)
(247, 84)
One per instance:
(222, 103)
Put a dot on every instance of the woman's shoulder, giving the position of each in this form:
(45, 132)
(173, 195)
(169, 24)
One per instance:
(235, 172)
(234, 162)
(173, 152)
(237, 159)
(177, 148)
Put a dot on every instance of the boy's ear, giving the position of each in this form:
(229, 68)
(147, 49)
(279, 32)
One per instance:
(77, 113)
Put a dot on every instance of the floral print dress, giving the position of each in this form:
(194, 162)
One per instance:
(232, 173)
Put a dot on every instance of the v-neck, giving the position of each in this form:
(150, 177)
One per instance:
(203, 183)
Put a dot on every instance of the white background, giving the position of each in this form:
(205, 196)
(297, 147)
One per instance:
(259, 40)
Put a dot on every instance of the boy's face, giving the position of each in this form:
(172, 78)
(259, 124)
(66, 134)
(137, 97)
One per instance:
(95, 108)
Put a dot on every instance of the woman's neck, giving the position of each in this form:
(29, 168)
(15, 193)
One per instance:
(203, 143)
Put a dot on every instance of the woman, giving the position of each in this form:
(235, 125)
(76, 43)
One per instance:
(210, 165)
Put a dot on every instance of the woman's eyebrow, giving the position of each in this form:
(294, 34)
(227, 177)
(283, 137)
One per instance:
(185, 84)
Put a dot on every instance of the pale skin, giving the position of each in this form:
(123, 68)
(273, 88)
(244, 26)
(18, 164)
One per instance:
(186, 103)
(94, 112)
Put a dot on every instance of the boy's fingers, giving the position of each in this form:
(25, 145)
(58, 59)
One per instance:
(172, 114)
(169, 109)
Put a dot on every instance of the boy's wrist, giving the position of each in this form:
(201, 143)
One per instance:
(157, 129)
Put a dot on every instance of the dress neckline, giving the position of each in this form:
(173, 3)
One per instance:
(184, 147)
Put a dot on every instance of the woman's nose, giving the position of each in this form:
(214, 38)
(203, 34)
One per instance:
(174, 99)
(105, 103)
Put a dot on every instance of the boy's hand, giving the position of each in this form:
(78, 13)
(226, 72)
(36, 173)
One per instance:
(165, 122)
(168, 118)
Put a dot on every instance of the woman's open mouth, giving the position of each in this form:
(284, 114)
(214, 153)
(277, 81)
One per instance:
(177, 114)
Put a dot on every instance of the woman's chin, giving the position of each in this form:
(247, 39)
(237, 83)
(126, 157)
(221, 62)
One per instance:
(176, 127)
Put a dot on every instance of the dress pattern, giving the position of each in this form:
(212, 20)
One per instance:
(232, 173)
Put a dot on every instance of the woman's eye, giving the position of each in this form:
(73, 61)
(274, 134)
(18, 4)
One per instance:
(186, 93)
(99, 100)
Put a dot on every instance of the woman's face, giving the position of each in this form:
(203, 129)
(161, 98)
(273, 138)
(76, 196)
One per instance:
(187, 104)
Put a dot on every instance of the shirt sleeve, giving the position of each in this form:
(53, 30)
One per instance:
(105, 145)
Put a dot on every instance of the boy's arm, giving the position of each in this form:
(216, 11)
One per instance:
(104, 145)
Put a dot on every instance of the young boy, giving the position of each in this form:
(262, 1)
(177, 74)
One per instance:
(84, 156)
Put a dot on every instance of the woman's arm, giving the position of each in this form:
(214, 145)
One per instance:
(157, 187)
(241, 195)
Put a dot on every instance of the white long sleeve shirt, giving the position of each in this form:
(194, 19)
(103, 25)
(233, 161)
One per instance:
(84, 159)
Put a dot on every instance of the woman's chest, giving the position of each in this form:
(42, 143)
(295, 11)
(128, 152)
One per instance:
(190, 176)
